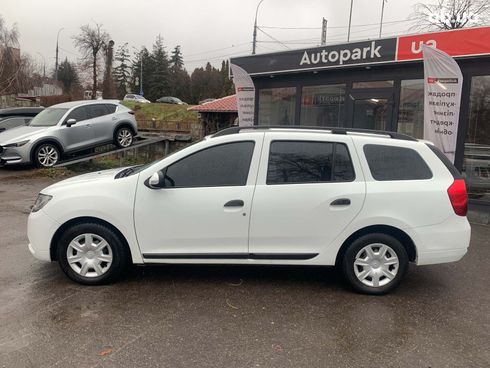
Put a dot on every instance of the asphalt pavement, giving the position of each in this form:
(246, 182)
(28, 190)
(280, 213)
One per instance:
(230, 316)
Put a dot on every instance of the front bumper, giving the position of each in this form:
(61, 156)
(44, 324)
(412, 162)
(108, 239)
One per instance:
(15, 155)
(40, 231)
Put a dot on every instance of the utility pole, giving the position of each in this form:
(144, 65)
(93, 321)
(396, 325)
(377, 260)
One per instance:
(141, 74)
(324, 31)
(382, 13)
(56, 65)
(254, 41)
(350, 20)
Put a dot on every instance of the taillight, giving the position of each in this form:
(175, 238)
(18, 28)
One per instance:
(458, 197)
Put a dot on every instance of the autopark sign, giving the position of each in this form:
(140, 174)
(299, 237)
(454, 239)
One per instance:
(456, 43)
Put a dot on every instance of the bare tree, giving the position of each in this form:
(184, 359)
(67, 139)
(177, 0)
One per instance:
(10, 61)
(91, 41)
(450, 14)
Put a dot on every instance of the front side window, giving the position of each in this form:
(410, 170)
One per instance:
(395, 163)
(276, 106)
(223, 165)
(79, 114)
(48, 117)
(301, 162)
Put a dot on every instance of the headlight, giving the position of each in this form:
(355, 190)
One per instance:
(41, 201)
(18, 144)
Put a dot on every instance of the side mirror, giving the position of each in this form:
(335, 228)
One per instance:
(156, 181)
(71, 122)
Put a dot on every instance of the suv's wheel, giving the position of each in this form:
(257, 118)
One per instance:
(46, 155)
(375, 263)
(92, 254)
(124, 137)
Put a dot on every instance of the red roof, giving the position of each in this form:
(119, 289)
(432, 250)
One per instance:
(224, 104)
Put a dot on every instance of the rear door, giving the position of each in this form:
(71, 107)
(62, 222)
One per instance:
(103, 121)
(308, 190)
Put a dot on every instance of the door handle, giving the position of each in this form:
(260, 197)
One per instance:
(341, 202)
(235, 203)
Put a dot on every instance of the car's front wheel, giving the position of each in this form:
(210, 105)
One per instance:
(375, 263)
(92, 254)
(124, 137)
(46, 155)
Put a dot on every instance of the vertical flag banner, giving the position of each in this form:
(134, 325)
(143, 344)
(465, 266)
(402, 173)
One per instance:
(442, 99)
(245, 95)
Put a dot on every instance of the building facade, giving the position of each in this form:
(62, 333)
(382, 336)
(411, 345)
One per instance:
(379, 84)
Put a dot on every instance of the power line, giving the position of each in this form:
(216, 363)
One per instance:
(223, 48)
(337, 27)
(273, 38)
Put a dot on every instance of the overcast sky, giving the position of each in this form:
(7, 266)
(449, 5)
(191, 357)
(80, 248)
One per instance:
(207, 30)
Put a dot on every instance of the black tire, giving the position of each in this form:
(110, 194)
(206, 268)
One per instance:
(46, 155)
(128, 137)
(349, 268)
(118, 250)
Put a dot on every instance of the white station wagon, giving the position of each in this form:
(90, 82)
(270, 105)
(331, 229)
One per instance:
(369, 202)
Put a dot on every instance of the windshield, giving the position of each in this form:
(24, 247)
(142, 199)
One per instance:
(48, 117)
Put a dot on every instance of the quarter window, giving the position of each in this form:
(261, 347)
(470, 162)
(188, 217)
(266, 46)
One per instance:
(296, 162)
(224, 165)
(395, 163)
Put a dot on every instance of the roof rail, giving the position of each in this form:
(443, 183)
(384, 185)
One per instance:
(333, 130)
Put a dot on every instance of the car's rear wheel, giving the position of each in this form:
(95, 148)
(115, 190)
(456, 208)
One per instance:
(92, 254)
(46, 155)
(124, 137)
(375, 263)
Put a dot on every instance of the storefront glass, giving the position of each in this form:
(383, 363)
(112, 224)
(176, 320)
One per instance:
(373, 84)
(476, 166)
(411, 112)
(276, 106)
(323, 105)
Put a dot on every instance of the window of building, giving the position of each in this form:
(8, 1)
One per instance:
(476, 166)
(323, 105)
(411, 111)
(223, 165)
(395, 163)
(373, 84)
(277, 106)
(299, 162)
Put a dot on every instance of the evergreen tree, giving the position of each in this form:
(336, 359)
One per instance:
(158, 83)
(142, 57)
(176, 59)
(122, 71)
(68, 76)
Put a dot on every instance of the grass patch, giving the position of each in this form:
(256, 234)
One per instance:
(162, 112)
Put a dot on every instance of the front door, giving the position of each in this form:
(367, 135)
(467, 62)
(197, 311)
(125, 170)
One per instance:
(371, 110)
(81, 133)
(203, 212)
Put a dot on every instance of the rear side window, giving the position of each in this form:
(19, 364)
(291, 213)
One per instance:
(97, 110)
(395, 163)
(297, 162)
(223, 165)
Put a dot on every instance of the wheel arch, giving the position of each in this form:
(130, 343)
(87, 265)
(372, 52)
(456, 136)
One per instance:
(42, 141)
(80, 220)
(124, 124)
(395, 232)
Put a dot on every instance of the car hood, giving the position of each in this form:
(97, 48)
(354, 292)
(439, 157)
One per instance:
(80, 179)
(21, 133)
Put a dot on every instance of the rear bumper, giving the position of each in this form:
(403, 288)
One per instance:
(442, 243)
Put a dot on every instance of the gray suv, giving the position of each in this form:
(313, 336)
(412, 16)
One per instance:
(67, 128)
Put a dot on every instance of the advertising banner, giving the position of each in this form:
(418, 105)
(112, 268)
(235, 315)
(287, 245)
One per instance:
(442, 97)
(245, 95)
